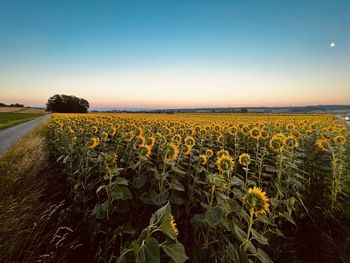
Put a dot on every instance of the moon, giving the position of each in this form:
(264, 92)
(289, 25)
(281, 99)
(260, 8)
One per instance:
(332, 44)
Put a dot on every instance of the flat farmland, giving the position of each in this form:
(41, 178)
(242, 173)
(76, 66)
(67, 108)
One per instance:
(8, 119)
(205, 187)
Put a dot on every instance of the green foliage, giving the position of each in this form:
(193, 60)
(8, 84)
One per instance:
(67, 104)
(124, 200)
(8, 119)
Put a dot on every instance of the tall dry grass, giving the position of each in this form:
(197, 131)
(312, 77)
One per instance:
(29, 231)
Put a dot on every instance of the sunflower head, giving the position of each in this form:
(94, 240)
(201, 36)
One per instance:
(186, 149)
(308, 132)
(336, 162)
(233, 131)
(256, 201)
(111, 159)
(140, 141)
(94, 129)
(339, 139)
(94, 142)
(225, 164)
(255, 133)
(277, 143)
(189, 140)
(176, 139)
(244, 159)
(113, 131)
(171, 152)
(221, 139)
(203, 159)
(166, 131)
(162, 141)
(291, 142)
(322, 144)
(129, 136)
(150, 141)
(139, 132)
(291, 127)
(104, 136)
(145, 151)
(221, 153)
(325, 135)
(173, 225)
(265, 134)
(209, 153)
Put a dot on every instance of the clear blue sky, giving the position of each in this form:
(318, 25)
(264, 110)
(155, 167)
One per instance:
(176, 53)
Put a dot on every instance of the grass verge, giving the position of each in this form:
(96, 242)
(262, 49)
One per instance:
(30, 203)
(8, 119)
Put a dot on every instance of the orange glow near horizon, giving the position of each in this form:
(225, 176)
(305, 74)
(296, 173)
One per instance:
(179, 89)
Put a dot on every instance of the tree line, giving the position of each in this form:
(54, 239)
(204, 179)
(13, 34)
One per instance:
(16, 105)
(67, 104)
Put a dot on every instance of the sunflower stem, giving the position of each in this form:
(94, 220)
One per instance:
(251, 221)
(212, 196)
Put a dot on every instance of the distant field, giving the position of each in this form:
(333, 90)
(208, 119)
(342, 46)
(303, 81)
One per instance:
(8, 119)
(22, 110)
(31, 110)
(10, 109)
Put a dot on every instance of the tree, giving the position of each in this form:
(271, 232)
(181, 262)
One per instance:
(243, 110)
(67, 104)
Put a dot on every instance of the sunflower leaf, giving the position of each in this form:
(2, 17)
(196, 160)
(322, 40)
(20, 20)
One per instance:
(175, 251)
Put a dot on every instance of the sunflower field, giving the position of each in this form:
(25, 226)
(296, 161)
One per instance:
(205, 187)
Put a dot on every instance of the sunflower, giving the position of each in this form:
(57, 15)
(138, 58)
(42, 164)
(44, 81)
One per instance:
(162, 141)
(176, 139)
(189, 140)
(94, 129)
(233, 131)
(95, 142)
(140, 141)
(202, 132)
(104, 136)
(336, 161)
(209, 153)
(225, 164)
(277, 143)
(339, 139)
(129, 136)
(291, 127)
(265, 134)
(217, 128)
(221, 139)
(150, 141)
(203, 159)
(166, 131)
(139, 132)
(291, 142)
(255, 133)
(171, 152)
(70, 130)
(322, 144)
(256, 201)
(244, 159)
(245, 130)
(221, 153)
(145, 151)
(308, 132)
(173, 225)
(186, 149)
(325, 135)
(113, 131)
